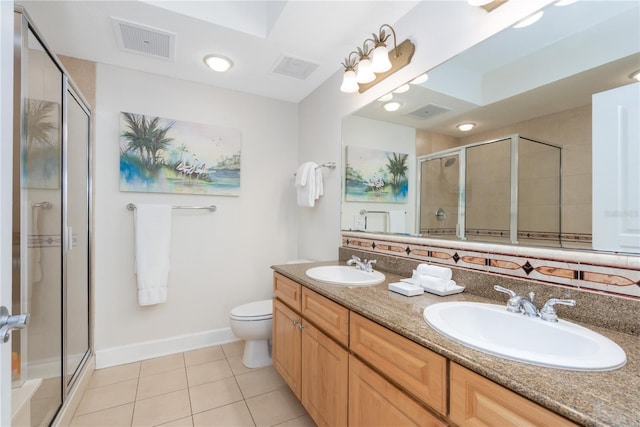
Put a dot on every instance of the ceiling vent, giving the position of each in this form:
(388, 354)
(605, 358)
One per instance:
(428, 111)
(137, 38)
(294, 67)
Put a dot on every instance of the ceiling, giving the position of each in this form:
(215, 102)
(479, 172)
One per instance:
(256, 35)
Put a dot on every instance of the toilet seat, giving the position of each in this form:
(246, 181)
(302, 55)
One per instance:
(257, 310)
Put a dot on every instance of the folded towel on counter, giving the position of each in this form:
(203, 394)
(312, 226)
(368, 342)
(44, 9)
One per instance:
(435, 283)
(306, 187)
(435, 271)
(152, 252)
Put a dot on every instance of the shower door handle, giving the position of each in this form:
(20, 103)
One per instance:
(8, 322)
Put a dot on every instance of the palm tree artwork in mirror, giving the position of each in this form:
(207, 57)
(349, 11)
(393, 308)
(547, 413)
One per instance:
(170, 156)
(376, 175)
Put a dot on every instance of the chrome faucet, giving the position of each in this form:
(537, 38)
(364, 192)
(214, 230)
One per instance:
(520, 304)
(366, 265)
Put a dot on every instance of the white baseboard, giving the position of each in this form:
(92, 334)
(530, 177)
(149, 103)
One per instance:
(150, 349)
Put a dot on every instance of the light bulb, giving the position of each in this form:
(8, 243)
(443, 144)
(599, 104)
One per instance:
(465, 127)
(529, 20)
(420, 79)
(380, 59)
(392, 106)
(365, 73)
(387, 97)
(402, 89)
(349, 83)
(218, 63)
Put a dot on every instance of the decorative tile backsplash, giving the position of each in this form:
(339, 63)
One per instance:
(616, 275)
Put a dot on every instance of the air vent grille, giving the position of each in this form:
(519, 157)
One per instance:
(428, 111)
(138, 38)
(294, 67)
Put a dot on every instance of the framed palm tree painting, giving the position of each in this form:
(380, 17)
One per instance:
(169, 156)
(41, 153)
(376, 176)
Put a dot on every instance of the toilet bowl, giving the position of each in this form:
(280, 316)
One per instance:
(252, 322)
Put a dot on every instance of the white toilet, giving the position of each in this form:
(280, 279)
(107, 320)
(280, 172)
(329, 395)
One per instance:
(252, 322)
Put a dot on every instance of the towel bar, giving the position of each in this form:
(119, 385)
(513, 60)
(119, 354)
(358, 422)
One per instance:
(211, 208)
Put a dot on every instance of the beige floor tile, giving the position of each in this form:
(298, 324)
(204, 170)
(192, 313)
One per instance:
(162, 409)
(304, 421)
(259, 381)
(235, 362)
(115, 374)
(108, 396)
(161, 364)
(208, 372)
(214, 394)
(235, 348)
(203, 355)
(275, 407)
(117, 417)
(233, 415)
(165, 382)
(182, 422)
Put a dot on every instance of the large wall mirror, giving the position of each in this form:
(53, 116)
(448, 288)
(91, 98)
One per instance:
(524, 174)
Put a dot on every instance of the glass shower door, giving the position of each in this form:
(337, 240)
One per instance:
(77, 235)
(37, 205)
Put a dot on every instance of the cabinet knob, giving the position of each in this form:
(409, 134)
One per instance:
(296, 321)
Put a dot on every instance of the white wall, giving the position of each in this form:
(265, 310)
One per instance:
(220, 259)
(440, 30)
(361, 132)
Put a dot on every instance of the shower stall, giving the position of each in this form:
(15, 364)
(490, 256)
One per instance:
(51, 229)
(504, 190)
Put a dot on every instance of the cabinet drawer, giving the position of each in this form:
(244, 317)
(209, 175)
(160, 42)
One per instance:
(327, 315)
(374, 401)
(477, 401)
(287, 291)
(416, 369)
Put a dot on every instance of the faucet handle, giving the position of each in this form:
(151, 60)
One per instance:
(548, 313)
(353, 257)
(513, 305)
(369, 264)
(504, 290)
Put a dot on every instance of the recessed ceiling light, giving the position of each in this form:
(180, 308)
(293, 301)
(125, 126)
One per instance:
(635, 75)
(392, 106)
(387, 97)
(218, 63)
(402, 89)
(465, 127)
(420, 79)
(529, 20)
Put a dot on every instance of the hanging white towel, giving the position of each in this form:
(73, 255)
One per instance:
(397, 222)
(35, 254)
(306, 187)
(152, 252)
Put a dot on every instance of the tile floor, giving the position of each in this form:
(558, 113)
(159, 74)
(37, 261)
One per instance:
(206, 387)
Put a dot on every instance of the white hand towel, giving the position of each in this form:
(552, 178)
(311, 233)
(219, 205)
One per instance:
(430, 282)
(435, 271)
(306, 184)
(319, 185)
(396, 222)
(152, 252)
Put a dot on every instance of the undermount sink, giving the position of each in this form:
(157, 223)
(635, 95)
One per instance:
(492, 329)
(345, 275)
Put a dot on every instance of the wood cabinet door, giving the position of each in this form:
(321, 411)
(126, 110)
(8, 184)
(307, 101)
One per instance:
(329, 316)
(477, 401)
(325, 370)
(374, 401)
(287, 345)
(287, 291)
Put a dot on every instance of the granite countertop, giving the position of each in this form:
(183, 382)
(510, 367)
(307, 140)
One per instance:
(588, 398)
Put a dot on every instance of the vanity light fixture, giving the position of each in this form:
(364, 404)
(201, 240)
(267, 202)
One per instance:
(374, 63)
(420, 79)
(635, 75)
(488, 5)
(218, 63)
(392, 106)
(385, 98)
(465, 127)
(529, 20)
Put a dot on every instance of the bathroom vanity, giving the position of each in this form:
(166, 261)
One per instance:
(363, 356)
